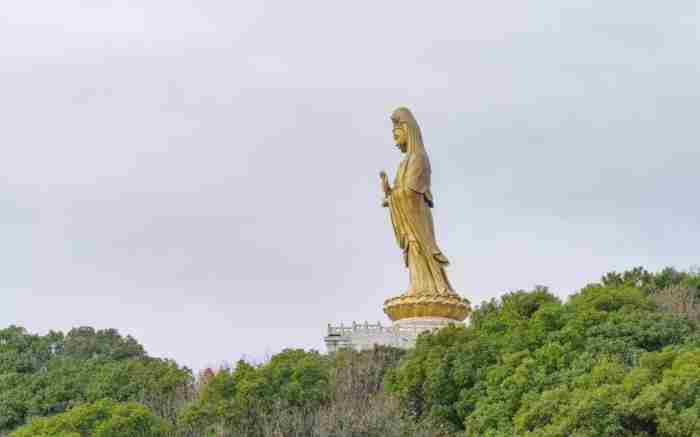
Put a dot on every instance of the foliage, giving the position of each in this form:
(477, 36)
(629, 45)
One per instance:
(679, 299)
(650, 283)
(85, 343)
(343, 396)
(241, 399)
(100, 419)
(46, 375)
(605, 363)
(660, 397)
(619, 358)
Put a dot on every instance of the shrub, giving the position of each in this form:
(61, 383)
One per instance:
(100, 419)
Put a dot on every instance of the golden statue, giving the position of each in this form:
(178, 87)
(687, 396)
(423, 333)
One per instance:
(430, 294)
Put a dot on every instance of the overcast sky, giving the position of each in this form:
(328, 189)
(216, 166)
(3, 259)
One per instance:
(203, 175)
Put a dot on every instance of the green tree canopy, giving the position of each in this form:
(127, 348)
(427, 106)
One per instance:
(100, 419)
(601, 364)
(47, 375)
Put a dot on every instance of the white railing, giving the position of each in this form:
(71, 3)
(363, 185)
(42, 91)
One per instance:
(366, 327)
(374, 328)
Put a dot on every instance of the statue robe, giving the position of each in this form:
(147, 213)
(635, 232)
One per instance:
(410, 202)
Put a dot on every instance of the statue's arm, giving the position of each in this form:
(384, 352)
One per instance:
(386, 188)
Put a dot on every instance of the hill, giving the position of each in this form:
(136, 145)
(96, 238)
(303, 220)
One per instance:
(620, 358)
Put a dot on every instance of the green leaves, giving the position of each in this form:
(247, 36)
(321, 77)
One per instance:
(240, 399)
(87, 343)
(660, 398)
(100, 419)
(620, 358)
(48, 375)
(605, 363)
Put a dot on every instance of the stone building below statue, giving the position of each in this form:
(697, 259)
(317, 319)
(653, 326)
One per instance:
(362, 336)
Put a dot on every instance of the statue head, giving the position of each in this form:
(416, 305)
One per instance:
(406, 131)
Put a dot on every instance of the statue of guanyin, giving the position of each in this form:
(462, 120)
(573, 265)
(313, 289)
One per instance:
(410, 200)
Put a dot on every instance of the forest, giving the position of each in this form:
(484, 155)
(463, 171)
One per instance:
(620, 357)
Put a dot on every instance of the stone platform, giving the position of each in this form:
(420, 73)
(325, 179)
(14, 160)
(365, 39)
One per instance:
(402, 334)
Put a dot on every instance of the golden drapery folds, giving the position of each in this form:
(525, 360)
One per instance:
(410, 201)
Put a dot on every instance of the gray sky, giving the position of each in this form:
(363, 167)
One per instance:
(203, 175)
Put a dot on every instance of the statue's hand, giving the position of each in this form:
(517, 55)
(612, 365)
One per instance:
(386, 188)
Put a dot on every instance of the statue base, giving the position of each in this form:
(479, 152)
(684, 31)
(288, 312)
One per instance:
(427, 306)
(422, 324)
